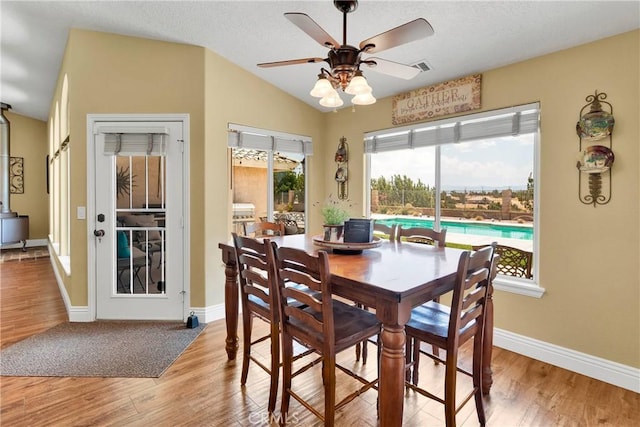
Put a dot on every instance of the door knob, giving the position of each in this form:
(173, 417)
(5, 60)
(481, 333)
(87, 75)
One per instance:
(98, 233)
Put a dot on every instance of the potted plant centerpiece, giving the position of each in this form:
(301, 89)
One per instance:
(334, 217)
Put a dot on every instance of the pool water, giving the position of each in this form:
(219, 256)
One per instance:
(474, 228)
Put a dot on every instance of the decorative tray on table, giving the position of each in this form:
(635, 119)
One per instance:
(346, 247)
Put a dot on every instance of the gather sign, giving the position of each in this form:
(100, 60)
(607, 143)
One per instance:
(450, 97)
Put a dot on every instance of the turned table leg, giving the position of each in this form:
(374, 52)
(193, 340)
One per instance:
(231, 302)
(392, 362)
(392, 373)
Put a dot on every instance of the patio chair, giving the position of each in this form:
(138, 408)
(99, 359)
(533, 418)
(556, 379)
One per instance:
(264, 229)
(148, 238)
(131, 259)
(513, 261)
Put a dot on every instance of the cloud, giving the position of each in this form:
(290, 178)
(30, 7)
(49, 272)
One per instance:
(491, 163)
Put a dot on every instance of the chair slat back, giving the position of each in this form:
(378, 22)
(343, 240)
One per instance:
(253, 271)
(470, 293)
(300, 309)
(264, 229)
(422, 235)
(386, 230)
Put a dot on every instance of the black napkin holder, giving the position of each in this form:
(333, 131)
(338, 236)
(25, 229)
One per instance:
(358, 230)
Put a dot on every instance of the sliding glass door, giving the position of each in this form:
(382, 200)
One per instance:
(268, 175)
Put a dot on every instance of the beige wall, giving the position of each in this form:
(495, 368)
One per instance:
(29, 141)
(109, 73)
(234, 95)
(588, 256)
(250, 186)
(114, 74)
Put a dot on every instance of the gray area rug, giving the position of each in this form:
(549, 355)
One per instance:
(32, 253)
(127, 349)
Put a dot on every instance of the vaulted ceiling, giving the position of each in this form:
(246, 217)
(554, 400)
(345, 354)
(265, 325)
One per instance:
(470, 37)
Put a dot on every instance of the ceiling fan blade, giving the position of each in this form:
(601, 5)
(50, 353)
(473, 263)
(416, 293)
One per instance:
(315, 31)
(290, 62)
(391, 68)
(411, 31)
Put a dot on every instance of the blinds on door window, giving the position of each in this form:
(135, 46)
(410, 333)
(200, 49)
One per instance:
(128, 141)
(511, 121)
(259, 139)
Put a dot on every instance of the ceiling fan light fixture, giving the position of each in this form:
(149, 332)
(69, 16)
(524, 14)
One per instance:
(322, 87)
(332, 100)
(345, 60)
(358, 85)
(363, 99)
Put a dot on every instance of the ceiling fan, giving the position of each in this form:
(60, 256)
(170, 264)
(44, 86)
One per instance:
(345, 60)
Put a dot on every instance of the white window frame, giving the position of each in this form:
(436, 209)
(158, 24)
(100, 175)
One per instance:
(241, 136)
(59, 189)
(402, 138)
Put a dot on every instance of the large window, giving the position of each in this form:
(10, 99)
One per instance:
(474, 175)
(268, 177)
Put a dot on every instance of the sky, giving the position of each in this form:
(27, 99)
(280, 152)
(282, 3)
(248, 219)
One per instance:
(486, 164)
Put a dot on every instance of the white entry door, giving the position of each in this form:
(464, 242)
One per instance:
(139, 219)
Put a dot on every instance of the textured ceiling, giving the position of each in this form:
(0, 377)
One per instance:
(470, 37)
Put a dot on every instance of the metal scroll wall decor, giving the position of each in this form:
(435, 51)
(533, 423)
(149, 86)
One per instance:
(342, 171)
(16, 175)
(594, 129)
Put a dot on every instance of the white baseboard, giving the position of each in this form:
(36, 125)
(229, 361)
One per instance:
(74, 313)
(610, 372)
(604, 370)
(210, 313)
(80, 314)
(63, 290)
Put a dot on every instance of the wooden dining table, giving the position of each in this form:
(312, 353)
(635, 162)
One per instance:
(392, 278)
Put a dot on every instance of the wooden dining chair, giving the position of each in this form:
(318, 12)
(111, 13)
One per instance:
(388, 232)
(450, 327)
(318, 322)
(130, 260)
(256, 300)
(384, 230)
(427, 236)
(422, 235)
(264, 229)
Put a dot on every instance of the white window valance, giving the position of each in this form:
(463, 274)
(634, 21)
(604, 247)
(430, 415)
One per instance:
(259, 139)
(511, 121)
(134, 141)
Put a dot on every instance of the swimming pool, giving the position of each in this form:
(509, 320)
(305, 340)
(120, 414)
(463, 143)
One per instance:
(522, 232)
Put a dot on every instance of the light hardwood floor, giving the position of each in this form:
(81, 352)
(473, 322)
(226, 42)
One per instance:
(202, 388)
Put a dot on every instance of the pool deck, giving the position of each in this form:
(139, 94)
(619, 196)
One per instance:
(470, 239)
